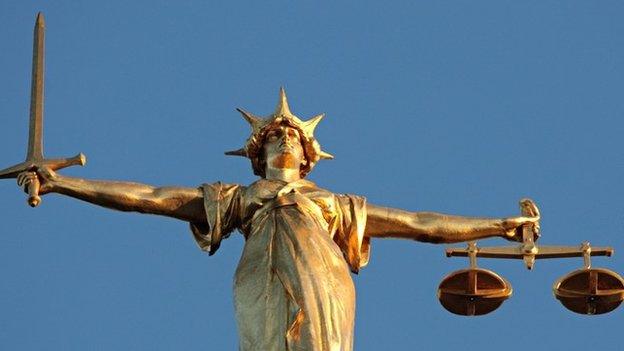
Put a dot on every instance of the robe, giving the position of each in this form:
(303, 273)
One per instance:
(293, 289)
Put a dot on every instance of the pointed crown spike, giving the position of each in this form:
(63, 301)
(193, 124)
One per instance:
(309, 125)
(326, 156)
(255, 121)
(240, 152)
(282, 108)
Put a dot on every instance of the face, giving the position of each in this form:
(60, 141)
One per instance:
(282, 148)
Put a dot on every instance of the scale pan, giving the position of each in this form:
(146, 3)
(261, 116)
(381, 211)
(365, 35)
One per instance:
(590, 291)
(473, 292)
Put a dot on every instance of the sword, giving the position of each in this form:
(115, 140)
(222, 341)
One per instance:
(34, 154)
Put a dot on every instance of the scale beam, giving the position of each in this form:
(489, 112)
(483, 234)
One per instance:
(543, 252)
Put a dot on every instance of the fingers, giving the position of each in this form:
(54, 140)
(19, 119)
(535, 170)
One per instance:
(511, 233)
(528, 220)
(25, 178)
(529, 208)
(520, 223)
(513, 227)
(44, 176)
(523, 220)
(20, 179)
(514, 234)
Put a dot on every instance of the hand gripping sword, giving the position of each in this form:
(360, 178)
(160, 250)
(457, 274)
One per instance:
(34, 156)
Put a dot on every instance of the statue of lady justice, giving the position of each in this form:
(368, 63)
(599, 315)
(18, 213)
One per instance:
(293, 288)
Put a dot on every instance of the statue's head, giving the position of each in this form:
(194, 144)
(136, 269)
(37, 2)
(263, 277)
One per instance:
(281, 140)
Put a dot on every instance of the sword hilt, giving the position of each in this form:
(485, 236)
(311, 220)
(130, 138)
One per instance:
(34, 185)
(33, 192)
(54, 164)
(33, 165)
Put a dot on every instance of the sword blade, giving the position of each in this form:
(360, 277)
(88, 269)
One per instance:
(35, 143)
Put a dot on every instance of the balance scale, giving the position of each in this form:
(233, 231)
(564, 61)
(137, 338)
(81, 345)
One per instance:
(476, 291)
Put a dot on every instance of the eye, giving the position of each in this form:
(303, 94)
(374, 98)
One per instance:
(271, 136)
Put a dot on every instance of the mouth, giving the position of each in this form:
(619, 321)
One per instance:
(286, 147)
(287, 152)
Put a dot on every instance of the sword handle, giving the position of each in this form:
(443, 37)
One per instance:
(33, 192)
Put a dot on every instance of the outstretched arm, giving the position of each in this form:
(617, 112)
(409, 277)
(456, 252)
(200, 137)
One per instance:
(177, 202)
(383, 222)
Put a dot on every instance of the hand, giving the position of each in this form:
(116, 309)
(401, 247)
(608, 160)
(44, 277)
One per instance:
(45, 175)
(513, 227)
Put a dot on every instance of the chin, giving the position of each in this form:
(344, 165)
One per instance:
(286, 160)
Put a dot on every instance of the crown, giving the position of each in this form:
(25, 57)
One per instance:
(282, 116)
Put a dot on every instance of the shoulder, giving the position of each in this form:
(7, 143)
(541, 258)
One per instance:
(220, 190)
(221, 185)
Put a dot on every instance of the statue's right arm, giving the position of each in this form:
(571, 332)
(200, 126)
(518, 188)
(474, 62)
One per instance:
(177, 202)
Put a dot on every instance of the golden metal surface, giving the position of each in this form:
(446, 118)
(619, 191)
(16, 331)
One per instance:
(298, 288)
(585, 291)
(473, 292)
(530, 232)
(528, 250)
(301, 241)
(34, 155)
(517, 252)
(35, 147)
(590, 291)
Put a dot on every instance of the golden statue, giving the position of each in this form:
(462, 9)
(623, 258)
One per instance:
(293, 287)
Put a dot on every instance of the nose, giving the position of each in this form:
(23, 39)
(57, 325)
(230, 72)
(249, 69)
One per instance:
(286, 139)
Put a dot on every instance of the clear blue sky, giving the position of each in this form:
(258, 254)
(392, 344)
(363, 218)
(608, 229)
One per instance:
(457, 107)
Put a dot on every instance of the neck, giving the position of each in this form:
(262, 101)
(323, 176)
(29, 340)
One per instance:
(284, 174)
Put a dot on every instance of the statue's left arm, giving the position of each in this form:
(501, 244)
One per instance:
(383, 222)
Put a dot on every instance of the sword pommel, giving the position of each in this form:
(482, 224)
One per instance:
(33, 193)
